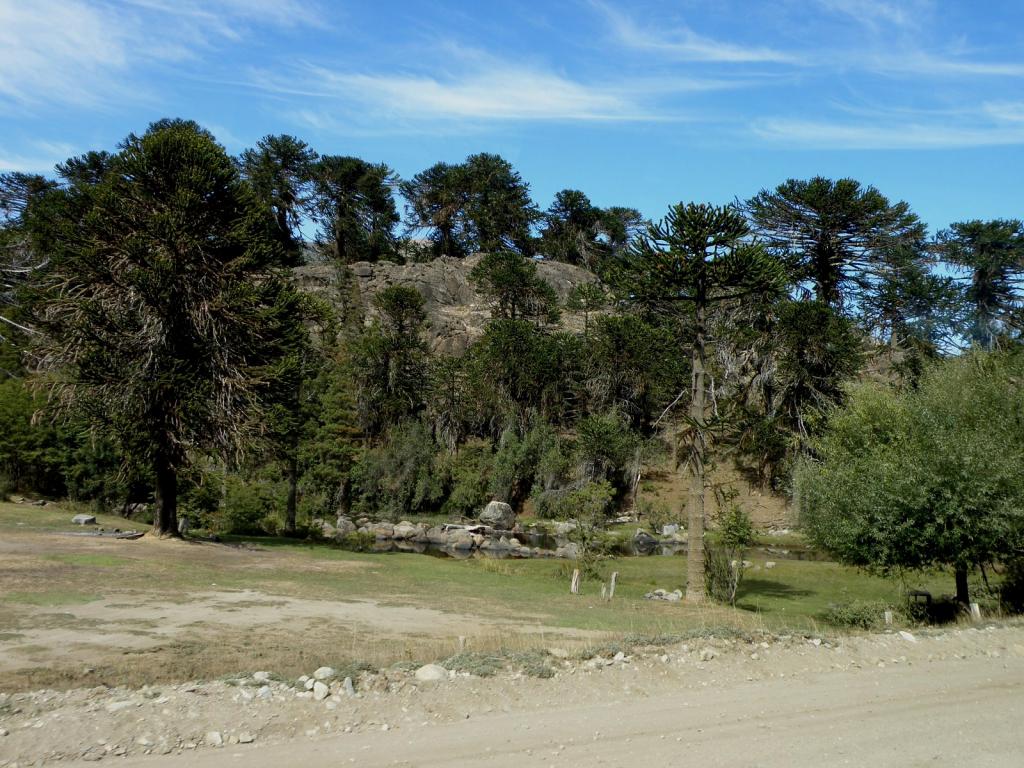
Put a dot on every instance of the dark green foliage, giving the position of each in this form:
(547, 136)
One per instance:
(400, 477)
(355, 209)
(578, 232)
(514, 289)
(479, 205)
(468, 480)
(162, 306)
(516, 461)
(389, 361)
(929, 476)
(280, 172)
(634, 366)
(856, 615)
(992, 254)
(832, 232)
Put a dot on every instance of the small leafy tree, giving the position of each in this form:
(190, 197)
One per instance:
(929, 476)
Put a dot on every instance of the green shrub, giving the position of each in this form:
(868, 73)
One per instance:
(859, 614)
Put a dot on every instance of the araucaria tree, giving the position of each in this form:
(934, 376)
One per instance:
(992, 253)
(695, 260)
(833, 232)
(163, 304)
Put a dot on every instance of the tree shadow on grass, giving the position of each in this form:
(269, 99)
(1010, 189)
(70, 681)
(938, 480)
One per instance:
(766, 588)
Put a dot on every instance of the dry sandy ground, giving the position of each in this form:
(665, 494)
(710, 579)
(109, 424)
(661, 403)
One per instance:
(945, 698)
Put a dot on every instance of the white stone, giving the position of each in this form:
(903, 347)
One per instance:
(320, 691)
(907, 636)
(325, 673)
(246, 738)
(214, 739)
(261, 677)
(431, 673)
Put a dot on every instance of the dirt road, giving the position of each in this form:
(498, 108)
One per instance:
(962, 712)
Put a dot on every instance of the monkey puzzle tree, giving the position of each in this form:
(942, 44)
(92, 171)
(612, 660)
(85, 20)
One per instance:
(696, 259)
(161, 312)
(992, 252)
(832, 232)
(355, 209)
(280, 171)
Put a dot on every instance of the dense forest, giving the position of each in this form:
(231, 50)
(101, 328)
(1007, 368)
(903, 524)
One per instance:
(157, 348)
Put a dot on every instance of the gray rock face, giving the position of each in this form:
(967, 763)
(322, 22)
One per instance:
(84, 520)
(456, 313)
(343, 527)
(498, 514)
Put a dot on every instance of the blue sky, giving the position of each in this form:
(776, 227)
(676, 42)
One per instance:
(636, 103)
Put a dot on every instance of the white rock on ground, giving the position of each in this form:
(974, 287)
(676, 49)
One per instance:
(431, 673)
(214, 739)
(325, 673)
(320, 691)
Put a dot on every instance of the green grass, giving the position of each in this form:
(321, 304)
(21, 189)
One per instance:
(793, 595)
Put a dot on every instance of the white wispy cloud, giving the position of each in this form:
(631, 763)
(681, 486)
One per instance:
(905, 13)
(91, 52)
(474, 87)
(927, 64)
(684, 44)
(876, 135)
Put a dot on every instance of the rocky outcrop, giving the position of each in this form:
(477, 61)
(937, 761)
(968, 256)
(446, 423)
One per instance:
(456, 313)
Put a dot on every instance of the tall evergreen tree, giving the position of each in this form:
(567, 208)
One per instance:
(482, 204)
(992, 254)
(832, 232)
(355, 209)
(280, 171)
(695, 259)
(163, 303)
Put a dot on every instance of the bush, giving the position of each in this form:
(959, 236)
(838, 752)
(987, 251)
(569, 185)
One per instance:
(859, 614)
(1011, 591)
(723, 564)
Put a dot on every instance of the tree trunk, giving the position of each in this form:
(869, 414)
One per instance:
(165, 517)
(695, 587)
(962, 593)
(293, 486)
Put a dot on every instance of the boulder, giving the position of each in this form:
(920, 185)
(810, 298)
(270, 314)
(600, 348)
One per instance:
(85, 520)
(498, 514)
(670, 530)
(437, 535)
(564, 528)
(382, 530)
(461, 540)
(325, 673)
(569, 551)
(431, 673)
(404, 530)
(320, 691)
(643, 540)
(344, 526)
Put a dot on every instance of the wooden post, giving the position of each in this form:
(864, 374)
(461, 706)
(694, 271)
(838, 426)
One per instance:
(574, 586)
(604, 591)
(888, 618)
(611, 588)
(462, 643)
